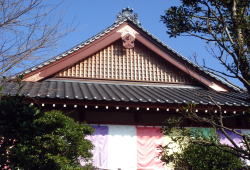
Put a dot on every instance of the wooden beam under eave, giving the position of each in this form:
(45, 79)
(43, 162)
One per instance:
(48, 102)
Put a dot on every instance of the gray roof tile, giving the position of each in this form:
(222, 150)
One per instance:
(124, 92)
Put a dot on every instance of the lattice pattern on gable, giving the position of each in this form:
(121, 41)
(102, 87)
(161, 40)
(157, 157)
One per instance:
(117, 63)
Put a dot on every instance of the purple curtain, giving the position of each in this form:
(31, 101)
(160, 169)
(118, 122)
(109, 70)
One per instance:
(236, 138)
(100, 152)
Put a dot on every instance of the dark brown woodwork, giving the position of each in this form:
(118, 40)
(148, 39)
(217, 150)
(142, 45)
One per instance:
(141, 117)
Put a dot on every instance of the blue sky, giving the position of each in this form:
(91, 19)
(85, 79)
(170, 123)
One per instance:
(88, 17)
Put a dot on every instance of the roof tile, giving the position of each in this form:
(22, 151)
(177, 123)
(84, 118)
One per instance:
(127, 93)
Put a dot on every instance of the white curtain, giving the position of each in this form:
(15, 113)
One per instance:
(122, 147)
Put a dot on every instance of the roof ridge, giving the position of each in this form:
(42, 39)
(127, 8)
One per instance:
(127, 83)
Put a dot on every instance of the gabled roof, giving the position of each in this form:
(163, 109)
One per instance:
(103, 38)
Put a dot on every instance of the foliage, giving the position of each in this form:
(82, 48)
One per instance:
(210, 158)
(31, 139)
(198, 157)
(195, 155)
(224, 25)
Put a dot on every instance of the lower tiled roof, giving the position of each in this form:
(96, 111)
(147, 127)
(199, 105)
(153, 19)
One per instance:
(93, 91)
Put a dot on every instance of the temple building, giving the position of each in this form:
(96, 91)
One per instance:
(126, 83)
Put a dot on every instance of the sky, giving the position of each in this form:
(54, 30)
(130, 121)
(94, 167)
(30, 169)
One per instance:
(89, 17)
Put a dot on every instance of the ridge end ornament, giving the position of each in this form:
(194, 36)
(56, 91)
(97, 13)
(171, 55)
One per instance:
(127, 13)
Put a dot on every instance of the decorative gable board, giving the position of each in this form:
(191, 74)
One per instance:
(118, 63)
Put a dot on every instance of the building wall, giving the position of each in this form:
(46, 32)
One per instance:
(136, 147)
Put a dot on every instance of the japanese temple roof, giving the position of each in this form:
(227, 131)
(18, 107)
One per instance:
(114, 92)
(131, 19)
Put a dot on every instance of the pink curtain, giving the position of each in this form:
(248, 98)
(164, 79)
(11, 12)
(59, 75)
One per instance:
(148, 141)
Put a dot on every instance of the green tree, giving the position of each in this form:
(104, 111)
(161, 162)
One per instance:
(185, 140)
(31, 139)
(224, 25)
(197, 149)
(198, 157)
